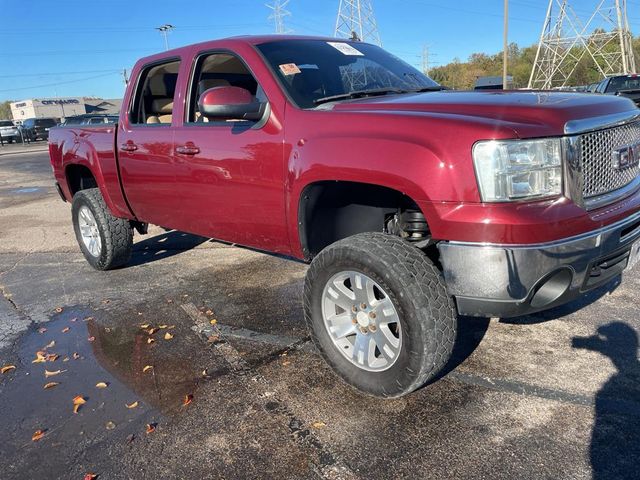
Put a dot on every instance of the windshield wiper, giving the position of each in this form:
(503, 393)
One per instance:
(358, 94)
(438, 88)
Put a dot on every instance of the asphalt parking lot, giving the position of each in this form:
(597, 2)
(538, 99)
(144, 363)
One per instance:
(555, 395)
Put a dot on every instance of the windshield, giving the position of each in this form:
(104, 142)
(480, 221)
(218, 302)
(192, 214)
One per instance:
(624, 83)
(311, 70)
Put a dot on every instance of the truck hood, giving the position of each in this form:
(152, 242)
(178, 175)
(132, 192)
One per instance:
(528, 113)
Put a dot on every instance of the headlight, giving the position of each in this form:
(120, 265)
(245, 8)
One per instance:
(518, 169)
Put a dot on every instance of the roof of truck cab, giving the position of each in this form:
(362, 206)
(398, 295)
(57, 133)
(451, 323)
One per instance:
(246, 39)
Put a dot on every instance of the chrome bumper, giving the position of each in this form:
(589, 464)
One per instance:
(512, 280)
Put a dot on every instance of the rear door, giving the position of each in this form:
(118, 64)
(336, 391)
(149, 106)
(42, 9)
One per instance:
(230, 174)
(145, 145)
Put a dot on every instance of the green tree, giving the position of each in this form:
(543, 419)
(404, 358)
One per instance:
(5, 110)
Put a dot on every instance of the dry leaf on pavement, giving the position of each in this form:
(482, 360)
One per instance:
(91, 339)
(90, 476)
(151, 427)
(147, 368)
(7, 368)
(37, 435)
(51, 344)
(102, 385)
(168, 336)
(40, 358)
(187, 400)
(65, 329)
(319, 425)
(77, 402)
(131, 405)
(49, 373)
(50, 385)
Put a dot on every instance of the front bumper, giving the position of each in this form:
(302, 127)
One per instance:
(512, 280)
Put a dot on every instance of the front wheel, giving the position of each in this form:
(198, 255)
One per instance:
(378, 311)
(106, 241)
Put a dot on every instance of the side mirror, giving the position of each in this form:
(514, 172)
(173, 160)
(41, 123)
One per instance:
(230, 103)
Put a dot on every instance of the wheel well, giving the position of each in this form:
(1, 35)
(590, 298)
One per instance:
(331, 211)
(79, 178)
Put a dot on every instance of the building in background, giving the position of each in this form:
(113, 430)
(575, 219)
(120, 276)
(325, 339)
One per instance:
(62, 108)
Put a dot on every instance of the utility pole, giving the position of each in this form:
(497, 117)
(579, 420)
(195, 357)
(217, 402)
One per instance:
(164, 31)
(356, 21)
(505, 54)
(125, 78)
(566, 40)
(426, 60)
(279, 14)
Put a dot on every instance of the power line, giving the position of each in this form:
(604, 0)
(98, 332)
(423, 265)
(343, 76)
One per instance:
(56, 74)
(59, 83)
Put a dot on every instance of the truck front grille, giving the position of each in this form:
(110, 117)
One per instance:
(599, 173)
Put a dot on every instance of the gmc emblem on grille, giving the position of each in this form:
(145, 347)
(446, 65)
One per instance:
(627, 157)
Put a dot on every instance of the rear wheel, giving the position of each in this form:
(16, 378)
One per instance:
(106, 241)
(378, 310)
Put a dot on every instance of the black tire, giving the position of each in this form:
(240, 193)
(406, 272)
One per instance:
(417, 289)
(116, 234)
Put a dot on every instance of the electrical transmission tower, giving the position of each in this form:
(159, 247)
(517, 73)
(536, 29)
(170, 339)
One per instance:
(604, 41)
(279, 14)
(357, 21)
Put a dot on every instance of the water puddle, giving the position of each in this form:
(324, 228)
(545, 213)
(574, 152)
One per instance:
(142, 382)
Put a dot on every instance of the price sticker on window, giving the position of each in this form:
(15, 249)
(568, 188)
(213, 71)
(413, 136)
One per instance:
(289, 69)
(346, 49)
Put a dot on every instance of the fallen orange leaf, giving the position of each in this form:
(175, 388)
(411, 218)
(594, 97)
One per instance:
(7, 368)
(50, 385)
(187, 400)
(168, 336)
(213, 321)
(65, 329)
(101, 385)
(151, 427)
(77, 402)
(162, 327)
(37, 435)
(152, 330)
(131, 405)
(52, 357)
(147, 368)
(40, 358)
(90, 476)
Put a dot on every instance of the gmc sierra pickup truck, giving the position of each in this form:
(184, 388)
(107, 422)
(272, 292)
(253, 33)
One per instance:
(412, 204)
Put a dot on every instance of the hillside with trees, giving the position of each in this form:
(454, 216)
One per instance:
(462, 75)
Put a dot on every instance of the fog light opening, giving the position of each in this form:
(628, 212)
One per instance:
(552, 288)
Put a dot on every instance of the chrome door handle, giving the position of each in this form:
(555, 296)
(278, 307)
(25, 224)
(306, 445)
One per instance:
(187, 150)
(128, 147)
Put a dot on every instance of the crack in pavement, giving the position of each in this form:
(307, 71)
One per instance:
(328, 465)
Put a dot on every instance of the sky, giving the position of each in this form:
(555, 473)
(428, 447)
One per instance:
(62, 48)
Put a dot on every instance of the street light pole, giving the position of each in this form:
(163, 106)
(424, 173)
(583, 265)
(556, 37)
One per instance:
(505, 53)
(164, 31)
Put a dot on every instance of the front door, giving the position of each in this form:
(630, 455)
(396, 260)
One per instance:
(230, 174)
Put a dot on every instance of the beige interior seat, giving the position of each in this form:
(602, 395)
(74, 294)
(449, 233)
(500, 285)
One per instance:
(161, 111)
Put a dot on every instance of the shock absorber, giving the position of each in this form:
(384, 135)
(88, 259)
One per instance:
(411, 225)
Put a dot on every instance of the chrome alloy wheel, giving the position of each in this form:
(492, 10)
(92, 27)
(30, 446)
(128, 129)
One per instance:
(362, 321)
(89, 231)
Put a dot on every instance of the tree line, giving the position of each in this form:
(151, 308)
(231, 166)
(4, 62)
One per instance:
(463, 75)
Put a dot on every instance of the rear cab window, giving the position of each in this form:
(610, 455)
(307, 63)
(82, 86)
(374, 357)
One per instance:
(153, 102)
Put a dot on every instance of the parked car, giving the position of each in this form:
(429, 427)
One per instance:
(38, 128)
(9, 131)
(89, 119)
(622, 85)
(412, 204)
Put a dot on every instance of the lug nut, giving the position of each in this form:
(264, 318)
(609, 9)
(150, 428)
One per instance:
(354, 320)
(354, 309)
(373, 328)
(372, 315)
(363, 306)
(364, 330)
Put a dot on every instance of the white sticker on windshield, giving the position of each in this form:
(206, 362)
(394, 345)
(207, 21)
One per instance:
(346, 49)
(289, 69)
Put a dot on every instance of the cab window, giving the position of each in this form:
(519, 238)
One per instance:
(219, 70)
(153, 102)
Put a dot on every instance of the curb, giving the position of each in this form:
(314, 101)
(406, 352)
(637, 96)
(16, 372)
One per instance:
(19, 152)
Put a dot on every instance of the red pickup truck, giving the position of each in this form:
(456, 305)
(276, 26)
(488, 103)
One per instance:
(413, 204)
